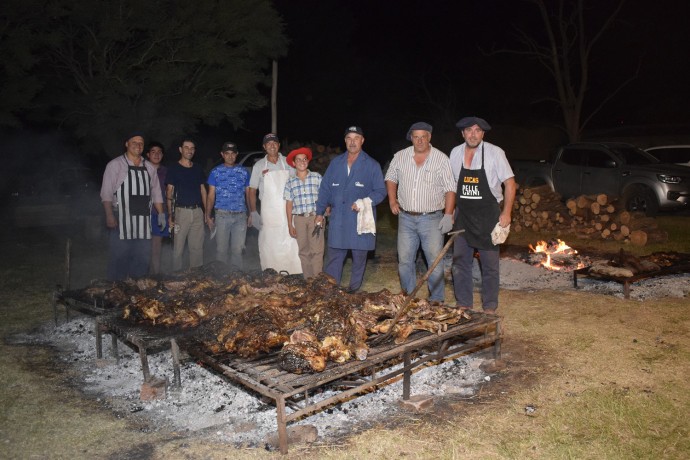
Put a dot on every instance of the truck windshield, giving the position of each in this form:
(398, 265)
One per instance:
(634, 156)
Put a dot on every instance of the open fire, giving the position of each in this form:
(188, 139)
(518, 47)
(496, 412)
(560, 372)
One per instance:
(556, 255)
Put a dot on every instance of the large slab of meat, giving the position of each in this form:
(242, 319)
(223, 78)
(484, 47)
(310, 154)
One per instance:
(310, 322)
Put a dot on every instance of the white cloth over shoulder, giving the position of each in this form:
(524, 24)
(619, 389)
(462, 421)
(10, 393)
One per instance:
(365, 217)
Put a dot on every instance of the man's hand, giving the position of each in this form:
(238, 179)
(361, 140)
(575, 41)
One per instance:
(446, 223)
(395, 206)
(256, 220)
(110, 221)
(161, 222)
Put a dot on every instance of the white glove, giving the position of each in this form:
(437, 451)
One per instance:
(499, 234)
(256, 220)
(446, 223)
(161, 221)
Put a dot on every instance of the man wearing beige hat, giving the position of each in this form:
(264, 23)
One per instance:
(482, 172)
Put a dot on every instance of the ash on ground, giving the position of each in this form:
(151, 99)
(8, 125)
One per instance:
(210, 405)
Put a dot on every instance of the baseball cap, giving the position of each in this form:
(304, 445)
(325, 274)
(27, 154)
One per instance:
(231, 146)
(354, 129)
(270, 137)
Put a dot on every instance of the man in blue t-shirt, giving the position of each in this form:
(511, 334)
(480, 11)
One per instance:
(186, 192)
(228, 190)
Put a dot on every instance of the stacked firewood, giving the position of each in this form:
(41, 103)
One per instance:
(585, 217)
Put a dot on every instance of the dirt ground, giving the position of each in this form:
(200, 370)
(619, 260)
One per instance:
(582, 375)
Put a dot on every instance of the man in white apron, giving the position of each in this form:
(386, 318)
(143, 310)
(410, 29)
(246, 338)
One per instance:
(277, 249)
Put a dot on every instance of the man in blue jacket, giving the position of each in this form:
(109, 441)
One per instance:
(350, 177)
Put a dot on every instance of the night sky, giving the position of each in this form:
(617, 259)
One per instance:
(384, 65)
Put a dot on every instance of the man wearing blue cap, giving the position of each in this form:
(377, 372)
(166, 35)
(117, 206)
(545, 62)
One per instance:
(421, 192)
(482, 171)
(352, 187)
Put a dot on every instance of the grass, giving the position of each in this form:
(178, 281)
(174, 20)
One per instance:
(607, 378)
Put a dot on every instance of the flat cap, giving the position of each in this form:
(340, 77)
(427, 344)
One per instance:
(420, 125)
(471, 121)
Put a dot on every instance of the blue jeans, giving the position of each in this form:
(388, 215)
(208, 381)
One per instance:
(128, 258)
(231, 228)
(413, 231)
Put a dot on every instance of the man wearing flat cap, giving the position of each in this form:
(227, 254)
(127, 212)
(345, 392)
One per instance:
(228, 194)
(277, 249)
(483, 172)
(130, 187)
(421, 192)
(351, 187)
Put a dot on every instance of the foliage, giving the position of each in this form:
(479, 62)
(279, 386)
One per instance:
(104, 68)
(564, 45)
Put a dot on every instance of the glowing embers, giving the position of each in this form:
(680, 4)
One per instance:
(556, 255)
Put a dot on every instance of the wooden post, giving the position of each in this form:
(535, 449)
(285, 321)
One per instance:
(274, 99)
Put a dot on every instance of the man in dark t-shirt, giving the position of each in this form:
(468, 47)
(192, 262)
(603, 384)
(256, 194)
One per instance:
(186, 195)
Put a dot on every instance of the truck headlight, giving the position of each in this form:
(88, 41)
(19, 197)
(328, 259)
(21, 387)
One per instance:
(668, 179)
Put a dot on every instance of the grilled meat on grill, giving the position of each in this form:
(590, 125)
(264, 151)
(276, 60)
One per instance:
(311, 322)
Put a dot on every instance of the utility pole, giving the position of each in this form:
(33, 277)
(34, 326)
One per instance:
(274, 99)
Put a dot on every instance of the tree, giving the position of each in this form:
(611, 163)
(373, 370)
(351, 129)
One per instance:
(565, 50)
(161, 66)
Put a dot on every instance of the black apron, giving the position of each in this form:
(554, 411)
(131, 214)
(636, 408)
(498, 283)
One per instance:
(134, 204)
(477, 210)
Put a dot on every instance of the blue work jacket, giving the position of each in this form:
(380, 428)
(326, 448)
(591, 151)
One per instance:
(340, 190)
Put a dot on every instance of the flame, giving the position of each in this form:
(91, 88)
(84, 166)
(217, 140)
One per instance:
(553, 247)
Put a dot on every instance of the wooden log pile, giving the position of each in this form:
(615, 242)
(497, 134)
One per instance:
(585, 217)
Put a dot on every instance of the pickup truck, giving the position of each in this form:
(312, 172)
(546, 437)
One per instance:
(616, 169)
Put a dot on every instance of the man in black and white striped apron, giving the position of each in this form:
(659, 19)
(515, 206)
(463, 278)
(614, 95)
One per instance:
(130, 185)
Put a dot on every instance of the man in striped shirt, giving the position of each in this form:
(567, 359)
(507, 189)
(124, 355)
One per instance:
(130, 187)
(421, 192)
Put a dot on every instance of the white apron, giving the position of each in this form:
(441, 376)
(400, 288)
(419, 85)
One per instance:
(277, 249)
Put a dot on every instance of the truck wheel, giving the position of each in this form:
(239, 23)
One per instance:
(641, 198)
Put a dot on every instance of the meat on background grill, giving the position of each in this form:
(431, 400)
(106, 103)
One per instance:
(314, 321)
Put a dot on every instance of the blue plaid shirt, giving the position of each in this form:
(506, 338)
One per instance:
(303, 193)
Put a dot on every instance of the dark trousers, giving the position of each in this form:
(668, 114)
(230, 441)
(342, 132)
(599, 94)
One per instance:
(335, 259)
(463, 257)
(127, 258)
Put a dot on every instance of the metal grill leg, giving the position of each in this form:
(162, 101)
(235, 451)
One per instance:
(113, 347)
(144, 363)
(406, 376)
(497, 342)
(282, 428)
(99, 340)
(175, 351)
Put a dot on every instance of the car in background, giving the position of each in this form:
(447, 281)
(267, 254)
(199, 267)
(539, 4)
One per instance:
(249, 159)
(619, 170)
(678, 154)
